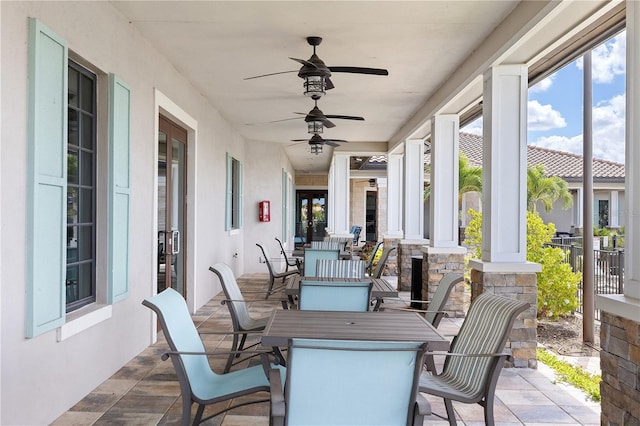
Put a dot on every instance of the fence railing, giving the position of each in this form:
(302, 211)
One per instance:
(608, 269)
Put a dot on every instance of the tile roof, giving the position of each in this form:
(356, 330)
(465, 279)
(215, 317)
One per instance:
(556, 163)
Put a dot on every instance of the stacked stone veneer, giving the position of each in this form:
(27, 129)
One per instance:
(407, 250)
(620, 365)
(521, 286)
(434, 267)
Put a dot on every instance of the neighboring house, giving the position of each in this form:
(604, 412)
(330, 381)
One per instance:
(608, 184)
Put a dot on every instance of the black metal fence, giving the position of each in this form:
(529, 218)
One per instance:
(608, 269)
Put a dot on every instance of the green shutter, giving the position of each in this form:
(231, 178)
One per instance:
(119, 187)
(240, 185)
(47, 180)
(229, 193)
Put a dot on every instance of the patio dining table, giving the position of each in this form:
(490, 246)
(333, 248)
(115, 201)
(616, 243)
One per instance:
(380, 326)
(379, 290)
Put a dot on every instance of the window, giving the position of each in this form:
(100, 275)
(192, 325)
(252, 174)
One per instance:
(234, 194)
(80, 283)
(603, 213)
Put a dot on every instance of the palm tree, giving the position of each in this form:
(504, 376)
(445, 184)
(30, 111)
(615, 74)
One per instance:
(545, 189)
(469, 178)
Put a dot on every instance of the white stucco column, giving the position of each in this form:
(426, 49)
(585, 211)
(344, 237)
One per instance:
(339, 195)
(504, 166)
(414, 189)
(577, 209)
(330, 199)
(614, 212)
(395, 189)
(443, 210)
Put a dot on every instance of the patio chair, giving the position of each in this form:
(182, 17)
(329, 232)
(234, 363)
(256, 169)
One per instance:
(327, 245)
(377, 273)
(356, 230)
(294, 261)
(333, 382)
(198, 382)
(334, 295)
(476, 357)
(313, 255)
(340, 268)
(272, 272)
(242, 322)
(369, 266)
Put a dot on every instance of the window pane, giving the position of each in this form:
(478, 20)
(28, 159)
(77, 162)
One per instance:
(86, 168)
(86, 205)
(87, 94)
(87, 131)
(72, 128)
(72, 205)
(85, 283)
(72, 244)
(85, 243)
(73, 87)
(72, 283)
(72, 166)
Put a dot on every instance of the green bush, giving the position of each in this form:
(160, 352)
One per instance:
(557, 283)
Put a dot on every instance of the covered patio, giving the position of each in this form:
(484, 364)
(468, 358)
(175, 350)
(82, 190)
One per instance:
(137, 149)
(146, 391)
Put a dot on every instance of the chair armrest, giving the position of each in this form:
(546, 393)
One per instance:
(165, 355)
(470, 355)
(224, 333)
(422, 408)
(422, 311)
(277, 398)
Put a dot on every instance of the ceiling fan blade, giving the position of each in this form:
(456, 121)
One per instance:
(344, 117)
(300, 140)
(330, 143)
(359, 70)
(304, 62)
(328, 124)
(335, 140)
(267, 75)
(328, 84)
(286, 119)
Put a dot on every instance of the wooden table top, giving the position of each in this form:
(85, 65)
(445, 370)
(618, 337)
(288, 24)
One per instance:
(382, 326)
(380, 288)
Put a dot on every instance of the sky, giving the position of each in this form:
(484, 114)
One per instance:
(555, 105)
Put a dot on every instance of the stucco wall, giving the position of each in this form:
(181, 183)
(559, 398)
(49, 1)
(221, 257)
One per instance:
(41, 377)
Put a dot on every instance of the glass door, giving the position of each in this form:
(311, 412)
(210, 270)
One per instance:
(311, 215)
(172, 189)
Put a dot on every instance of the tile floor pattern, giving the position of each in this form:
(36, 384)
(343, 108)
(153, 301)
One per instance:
(146, 391)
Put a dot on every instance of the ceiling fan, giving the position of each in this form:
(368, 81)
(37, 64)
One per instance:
(316, 74)
(316, 120)
(317, 141)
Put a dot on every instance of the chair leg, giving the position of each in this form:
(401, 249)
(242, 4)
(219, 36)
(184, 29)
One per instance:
(244, 338)
(271, 280)
(488, 410)
(197, 419)
(450, 413)
(234, 346)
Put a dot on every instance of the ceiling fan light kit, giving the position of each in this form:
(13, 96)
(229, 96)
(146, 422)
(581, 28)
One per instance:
(314, 86)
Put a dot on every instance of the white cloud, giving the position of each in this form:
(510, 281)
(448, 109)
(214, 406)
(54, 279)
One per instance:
(543, 117)
(608, 133)
(608, 129)
(608, 60)
(543, 85)
(475, 127)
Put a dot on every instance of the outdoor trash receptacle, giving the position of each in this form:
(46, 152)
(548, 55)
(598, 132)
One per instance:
(416, 281)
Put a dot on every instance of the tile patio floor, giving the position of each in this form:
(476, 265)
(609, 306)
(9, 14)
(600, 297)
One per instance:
(146, 391)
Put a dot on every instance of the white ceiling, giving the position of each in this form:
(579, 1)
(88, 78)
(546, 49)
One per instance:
(423, 44)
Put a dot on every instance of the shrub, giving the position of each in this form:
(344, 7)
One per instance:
(557, 283)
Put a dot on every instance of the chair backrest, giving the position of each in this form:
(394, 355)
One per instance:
(334, 295)
(351, 382)
(267, 259)
(235, 301)
(485, 330)
(377, 273)
(440, 297)
(371, 258)
(282, 251)
(355, 230)
(182, 336)
(339, 268)
(312, 255)
(326, 245)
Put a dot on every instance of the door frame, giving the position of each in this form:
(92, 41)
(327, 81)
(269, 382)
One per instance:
(297, 207)
(169, 109)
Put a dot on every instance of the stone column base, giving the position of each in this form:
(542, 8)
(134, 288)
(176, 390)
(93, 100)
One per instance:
(436, 262)
(406, 250)
(522, 286)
